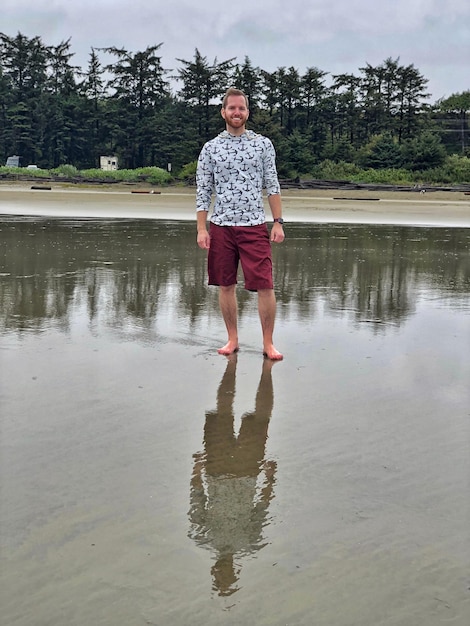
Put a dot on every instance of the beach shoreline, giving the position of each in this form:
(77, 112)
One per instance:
(435, 208)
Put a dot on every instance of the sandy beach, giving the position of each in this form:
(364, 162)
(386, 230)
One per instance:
(311, 206)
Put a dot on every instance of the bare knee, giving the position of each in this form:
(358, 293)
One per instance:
(266, 293)
(227, 288)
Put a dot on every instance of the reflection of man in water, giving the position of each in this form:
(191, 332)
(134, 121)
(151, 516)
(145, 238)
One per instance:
(232, 484)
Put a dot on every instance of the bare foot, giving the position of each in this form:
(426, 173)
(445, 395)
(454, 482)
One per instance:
(230, 348)
(273, 354)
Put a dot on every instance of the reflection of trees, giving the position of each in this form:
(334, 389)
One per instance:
(122, 267)
(373, 271)
(232, 483)
(132, 267)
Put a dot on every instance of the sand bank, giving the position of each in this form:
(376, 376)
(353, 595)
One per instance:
(313, 206)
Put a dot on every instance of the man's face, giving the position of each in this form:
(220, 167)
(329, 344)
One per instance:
(235, 113)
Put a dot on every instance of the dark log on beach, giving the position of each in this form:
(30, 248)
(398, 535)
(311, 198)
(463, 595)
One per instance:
(350, 198)
(151, 191)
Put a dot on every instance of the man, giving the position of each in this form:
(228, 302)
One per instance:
(236, 166)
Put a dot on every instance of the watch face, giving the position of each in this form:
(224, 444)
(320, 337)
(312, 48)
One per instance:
(279, 220)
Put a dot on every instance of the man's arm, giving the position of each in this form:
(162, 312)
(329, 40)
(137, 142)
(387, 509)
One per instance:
(273, 189)
(204, 188)
(203, 237)
(275, 204)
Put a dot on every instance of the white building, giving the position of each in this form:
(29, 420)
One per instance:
(13, 161)
(108, 163)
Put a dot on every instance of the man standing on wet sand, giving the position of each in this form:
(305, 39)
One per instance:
(236, 166)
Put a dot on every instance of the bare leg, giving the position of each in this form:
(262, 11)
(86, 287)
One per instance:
(267, 314)
(229, 310)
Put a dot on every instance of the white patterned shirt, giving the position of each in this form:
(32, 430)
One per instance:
(236, 169)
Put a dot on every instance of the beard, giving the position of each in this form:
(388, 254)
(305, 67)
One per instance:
(236, 122)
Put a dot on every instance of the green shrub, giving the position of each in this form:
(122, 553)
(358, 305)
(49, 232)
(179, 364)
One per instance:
(188, 171)
(125, 176)
(330, 170)
(154, 175)
(65, 171)
(458, 167)
(95, 174)
(21, 171)
(455, 170)
(385, 176)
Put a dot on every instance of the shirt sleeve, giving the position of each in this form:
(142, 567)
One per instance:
(271, 181)
(204, 180)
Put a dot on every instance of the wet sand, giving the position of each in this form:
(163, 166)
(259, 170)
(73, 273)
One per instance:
(309, 206)
(109, 415)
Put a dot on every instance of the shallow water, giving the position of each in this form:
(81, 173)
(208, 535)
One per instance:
(147, 480)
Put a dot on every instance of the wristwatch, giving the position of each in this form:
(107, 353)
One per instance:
(279, 220)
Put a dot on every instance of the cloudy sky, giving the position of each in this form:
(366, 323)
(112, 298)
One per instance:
(336, 36)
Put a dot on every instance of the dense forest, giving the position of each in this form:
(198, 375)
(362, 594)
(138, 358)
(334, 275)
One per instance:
(53, 113)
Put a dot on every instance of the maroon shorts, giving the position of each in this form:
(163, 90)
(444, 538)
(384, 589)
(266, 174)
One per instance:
(248, 245)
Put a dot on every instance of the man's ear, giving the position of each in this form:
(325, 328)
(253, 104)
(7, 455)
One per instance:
(222, 112)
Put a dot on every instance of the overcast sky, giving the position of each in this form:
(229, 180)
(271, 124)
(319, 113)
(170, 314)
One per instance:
(336, 36)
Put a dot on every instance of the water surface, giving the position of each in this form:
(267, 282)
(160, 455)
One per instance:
(147, 480)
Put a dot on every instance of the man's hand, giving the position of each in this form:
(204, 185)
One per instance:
(277, 233)
(203, 239)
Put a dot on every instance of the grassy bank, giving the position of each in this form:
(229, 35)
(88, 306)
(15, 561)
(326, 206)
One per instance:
(454, 171)
(155, 176)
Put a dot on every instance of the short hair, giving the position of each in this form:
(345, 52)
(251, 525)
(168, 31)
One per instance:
(233, 91)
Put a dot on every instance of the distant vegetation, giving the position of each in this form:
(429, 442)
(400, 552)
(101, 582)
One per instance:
(454, 171)
(373, 126)
(69, 173)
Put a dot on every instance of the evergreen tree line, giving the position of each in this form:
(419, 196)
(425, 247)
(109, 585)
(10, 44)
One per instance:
(54, 113)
